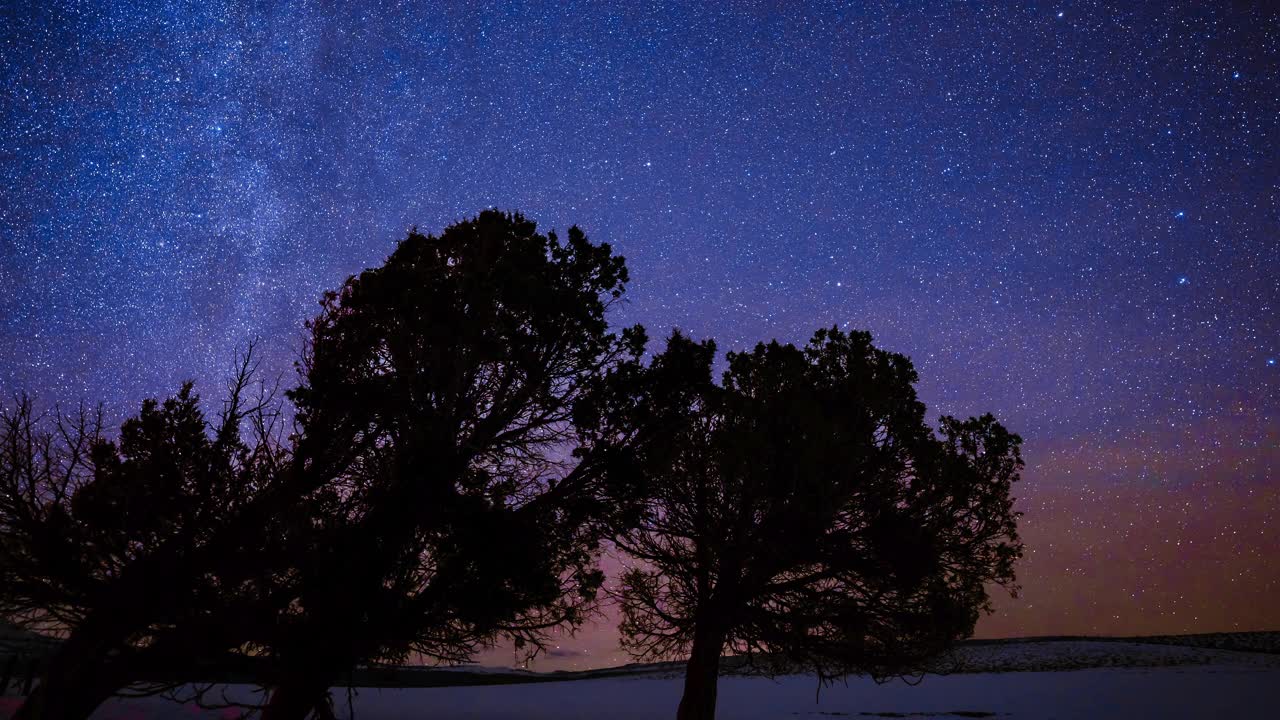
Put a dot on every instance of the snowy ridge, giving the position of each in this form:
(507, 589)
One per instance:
(1051, 655)
(1249, 649)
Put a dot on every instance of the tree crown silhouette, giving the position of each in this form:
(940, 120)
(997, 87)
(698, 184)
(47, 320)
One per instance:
(802, 514)
(467, 502)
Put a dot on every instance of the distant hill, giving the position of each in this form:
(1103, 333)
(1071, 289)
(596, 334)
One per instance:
(972, 656)
(1263, 641)
(1035, 654)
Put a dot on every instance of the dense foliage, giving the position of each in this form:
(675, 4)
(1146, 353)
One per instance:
(467, 430)
(468, 503)
(803, 514)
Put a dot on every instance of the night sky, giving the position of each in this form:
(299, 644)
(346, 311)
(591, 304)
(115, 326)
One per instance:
(1066, 214)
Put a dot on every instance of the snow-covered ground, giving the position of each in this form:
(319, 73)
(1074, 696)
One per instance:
(1011, 680)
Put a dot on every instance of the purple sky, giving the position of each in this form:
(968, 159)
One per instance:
(1066, 214)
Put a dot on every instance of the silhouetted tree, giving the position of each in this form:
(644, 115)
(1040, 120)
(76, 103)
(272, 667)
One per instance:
(438, 493)
(802, 514)
(114, 543)
(473, 502)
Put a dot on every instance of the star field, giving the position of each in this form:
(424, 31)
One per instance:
(1066, 213)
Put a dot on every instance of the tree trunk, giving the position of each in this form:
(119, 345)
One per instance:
(297, 695)
(700, 677)
(78, 678)
(67, 695)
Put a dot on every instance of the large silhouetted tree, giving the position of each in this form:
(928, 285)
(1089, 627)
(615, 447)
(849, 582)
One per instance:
(803, 514)
(473, 502)
(438, 492)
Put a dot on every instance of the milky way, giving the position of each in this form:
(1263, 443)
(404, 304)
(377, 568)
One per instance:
(1066, 214)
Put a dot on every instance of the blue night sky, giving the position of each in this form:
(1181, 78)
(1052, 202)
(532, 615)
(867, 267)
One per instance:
(1066, 213)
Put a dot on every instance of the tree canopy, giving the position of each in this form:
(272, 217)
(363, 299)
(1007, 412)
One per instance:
(467, 431)
(440, 488)
(804, 515)
(141, 550)
(468, 503)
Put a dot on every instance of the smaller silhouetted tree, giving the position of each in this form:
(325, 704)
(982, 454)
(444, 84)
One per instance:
(803, 515)
(134, 548)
